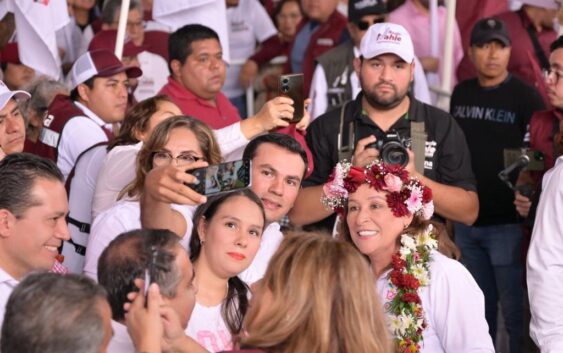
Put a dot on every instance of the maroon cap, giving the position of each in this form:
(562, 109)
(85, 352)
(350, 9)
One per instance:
(10, 54)
(106, 40)
(102, 63)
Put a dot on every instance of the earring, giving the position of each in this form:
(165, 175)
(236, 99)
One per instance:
(202, 242)
(405, 226)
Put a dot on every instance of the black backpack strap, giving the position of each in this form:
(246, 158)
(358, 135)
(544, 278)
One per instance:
(346, 136)
(538, 50)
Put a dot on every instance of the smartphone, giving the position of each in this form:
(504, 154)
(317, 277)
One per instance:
(292, 86)
(223, 177)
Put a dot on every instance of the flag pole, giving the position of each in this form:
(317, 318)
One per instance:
(120, 40)
(444, 101)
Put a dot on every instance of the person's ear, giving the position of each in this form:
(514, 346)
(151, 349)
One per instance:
(357, 65)
(7, 222)
(176, 66)
(202, 229)
(83, 92)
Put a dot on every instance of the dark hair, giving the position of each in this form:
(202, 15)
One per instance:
(235, 305)
(280, 6)
(128, 256)
(52, 313)
(110, 10)
(556, 44)
(74, 95)
(137, 120)
(180, 42)
(18, 173)
(281, 140)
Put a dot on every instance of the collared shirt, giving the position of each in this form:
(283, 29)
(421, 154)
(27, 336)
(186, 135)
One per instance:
(7, 285)
(79, 134)
(218, 116)
(544, 275)
(446, 155)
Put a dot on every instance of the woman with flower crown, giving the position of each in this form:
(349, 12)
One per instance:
(432, 302)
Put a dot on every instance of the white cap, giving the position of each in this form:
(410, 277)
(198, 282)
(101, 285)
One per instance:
(546, 4)
(6, 95)
(387, 38)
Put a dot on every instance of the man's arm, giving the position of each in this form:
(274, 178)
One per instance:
(308, 207)
(163, 187)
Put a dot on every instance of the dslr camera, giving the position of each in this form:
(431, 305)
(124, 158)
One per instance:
(392, 148)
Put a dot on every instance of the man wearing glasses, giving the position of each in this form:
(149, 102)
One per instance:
(334, 80)
(493, 110)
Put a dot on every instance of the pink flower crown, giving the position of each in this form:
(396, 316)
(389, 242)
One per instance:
(405, 195)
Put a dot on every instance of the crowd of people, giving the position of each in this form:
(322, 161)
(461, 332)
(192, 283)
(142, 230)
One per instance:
(378, 222)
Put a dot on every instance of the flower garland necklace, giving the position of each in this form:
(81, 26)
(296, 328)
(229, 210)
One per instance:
(410, 272)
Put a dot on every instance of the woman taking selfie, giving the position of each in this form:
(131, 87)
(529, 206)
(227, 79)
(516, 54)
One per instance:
(226, 236)
(178, 144)
(317, 297)
(432, 302)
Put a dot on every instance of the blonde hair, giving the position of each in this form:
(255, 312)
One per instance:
(157, 141)
(324, 301)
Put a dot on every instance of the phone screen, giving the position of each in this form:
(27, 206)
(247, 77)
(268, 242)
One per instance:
(223, 177)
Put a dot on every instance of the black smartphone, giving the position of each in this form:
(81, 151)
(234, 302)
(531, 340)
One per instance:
(224, 177)
(292, 86)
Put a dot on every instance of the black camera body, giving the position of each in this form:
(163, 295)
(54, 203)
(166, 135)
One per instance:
(393, 148)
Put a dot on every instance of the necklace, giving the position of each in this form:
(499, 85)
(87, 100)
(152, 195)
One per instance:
(410, 272)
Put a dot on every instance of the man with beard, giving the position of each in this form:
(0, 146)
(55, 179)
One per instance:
(385, 69)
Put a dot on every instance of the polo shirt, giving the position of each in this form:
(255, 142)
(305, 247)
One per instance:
(446, 156)
(219, 116)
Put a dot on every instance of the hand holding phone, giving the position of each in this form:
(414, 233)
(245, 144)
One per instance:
(223, 177)
(292, 86)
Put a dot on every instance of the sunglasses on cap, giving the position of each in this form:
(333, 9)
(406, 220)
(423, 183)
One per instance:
(364, 25)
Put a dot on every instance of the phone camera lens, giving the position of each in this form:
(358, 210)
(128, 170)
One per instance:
(285, 81)
(285, 88)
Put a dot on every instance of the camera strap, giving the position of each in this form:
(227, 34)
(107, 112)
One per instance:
(346, 138)
(418, 144)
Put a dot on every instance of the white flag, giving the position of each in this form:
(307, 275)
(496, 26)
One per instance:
(36, 23)
(210, 13)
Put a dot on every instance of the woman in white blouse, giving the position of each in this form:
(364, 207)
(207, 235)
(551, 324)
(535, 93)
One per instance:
(431, 301)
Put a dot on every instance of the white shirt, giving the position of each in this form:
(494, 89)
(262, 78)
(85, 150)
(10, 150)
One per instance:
(208, 328)
(248, 23)
(124, 216)
(118, 169)
(319, 87)
(454, 307)
(155, 75)
(73, 40)
(120, 342)
(80, 204)
(7, 285)
(545, 265)
(271, 240)
(79, 134)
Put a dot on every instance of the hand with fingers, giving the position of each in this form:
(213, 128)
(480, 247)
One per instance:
(169, 184)
(365, 154)
(144, 324)
(276, 113)
(522, 203)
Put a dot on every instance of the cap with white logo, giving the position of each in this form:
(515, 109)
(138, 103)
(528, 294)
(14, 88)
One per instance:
(387, 38)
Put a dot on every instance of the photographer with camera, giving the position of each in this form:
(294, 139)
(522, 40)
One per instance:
(385, 111)
(494, 110)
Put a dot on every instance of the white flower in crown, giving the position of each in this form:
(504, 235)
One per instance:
(427, 210)
(426, 239)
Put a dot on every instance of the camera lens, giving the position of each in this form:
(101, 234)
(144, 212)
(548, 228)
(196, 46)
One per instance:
(395, 153)
(285, 81)
(285, 88)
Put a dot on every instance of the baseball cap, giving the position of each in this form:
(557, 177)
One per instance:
(101, 63)
(489, 29)
(387, 38)
(546, 4)
(6, 95)
(106, 40)
(10, 54)
(360, 8)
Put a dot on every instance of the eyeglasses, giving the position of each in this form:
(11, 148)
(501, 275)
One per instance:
(364, 25)
(552, 73)
(162, 158)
